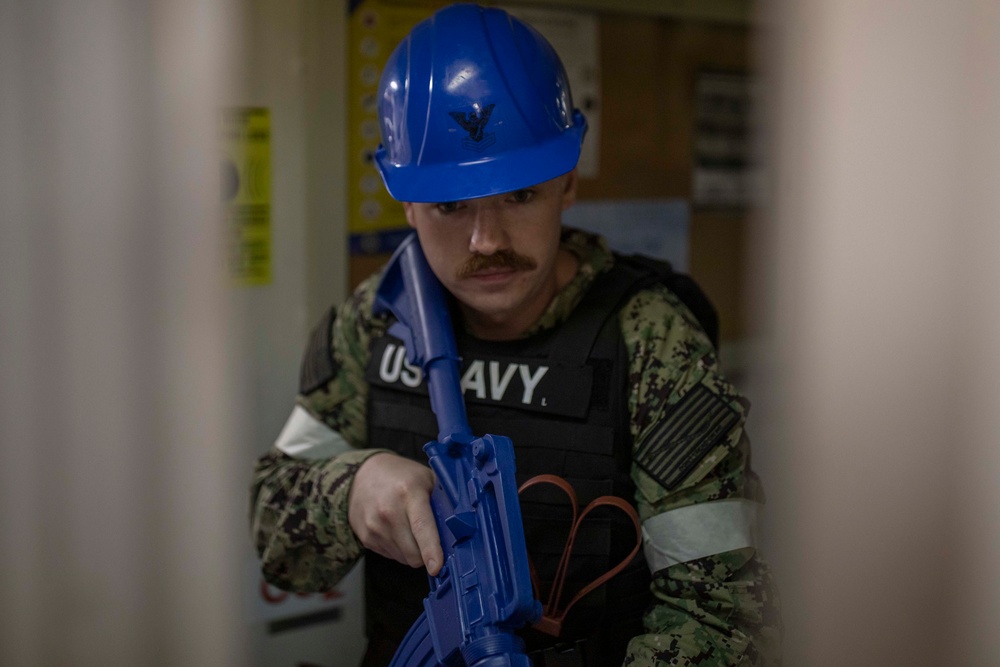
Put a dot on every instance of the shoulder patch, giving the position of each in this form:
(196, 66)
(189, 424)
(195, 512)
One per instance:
(318, 366)
(695, 425)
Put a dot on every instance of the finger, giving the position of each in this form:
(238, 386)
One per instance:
(424, 530)
(405, 547)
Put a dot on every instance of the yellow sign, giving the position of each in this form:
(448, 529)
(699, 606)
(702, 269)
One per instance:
(376, 220)
(246, 192)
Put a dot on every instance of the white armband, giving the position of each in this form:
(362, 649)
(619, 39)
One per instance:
(696, 531)
(305, 437)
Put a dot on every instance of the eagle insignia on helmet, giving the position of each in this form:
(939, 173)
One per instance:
(474, 123)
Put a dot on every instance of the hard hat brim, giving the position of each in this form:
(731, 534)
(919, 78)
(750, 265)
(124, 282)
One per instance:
(483, 176)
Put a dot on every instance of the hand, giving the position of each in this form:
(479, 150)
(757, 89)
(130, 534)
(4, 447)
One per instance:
(389, 510)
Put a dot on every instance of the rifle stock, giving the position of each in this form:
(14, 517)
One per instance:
(482, 594)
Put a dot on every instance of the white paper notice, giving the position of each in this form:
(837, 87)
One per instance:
(654, 227)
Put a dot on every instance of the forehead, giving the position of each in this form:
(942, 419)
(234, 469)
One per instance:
(551, 184)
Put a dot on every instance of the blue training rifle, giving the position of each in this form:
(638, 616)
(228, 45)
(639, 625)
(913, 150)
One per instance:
(482, 593)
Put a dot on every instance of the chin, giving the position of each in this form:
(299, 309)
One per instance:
(494, 308)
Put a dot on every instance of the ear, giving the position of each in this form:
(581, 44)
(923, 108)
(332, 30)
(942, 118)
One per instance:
(569, 190)
(408, 210)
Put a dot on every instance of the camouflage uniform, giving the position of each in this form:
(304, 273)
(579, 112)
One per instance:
(719, 609)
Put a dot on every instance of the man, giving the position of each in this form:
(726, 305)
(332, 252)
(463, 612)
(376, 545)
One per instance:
(589, 362)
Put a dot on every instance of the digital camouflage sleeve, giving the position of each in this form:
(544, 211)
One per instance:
(715, 610)
(299, 505)
(711, 611)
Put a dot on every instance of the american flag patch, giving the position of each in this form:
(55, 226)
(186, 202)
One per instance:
(693, 427)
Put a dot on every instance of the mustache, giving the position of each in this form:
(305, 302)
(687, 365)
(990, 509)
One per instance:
(501, 259)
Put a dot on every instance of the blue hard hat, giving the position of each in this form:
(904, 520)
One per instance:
(474, 102)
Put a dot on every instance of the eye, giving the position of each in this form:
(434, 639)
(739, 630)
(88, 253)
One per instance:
(447, 207)
(522, 196)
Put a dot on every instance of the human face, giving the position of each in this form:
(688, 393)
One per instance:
(499, 255)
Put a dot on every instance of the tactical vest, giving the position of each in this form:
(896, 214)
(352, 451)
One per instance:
(561, 396)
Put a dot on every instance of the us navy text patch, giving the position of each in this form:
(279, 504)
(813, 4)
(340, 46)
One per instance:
(528, 384)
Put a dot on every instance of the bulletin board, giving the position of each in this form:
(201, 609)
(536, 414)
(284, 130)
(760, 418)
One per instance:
(376, 222)
(648, 77)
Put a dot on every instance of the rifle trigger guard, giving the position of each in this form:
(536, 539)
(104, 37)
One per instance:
(553, 617)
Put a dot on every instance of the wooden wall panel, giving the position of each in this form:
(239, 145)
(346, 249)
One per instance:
(648, 72)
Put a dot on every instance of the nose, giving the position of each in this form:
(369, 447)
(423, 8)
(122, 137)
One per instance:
(488, 231)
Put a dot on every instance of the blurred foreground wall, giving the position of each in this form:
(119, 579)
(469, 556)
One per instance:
(293, 64)
(877, 376)
(121, 485)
